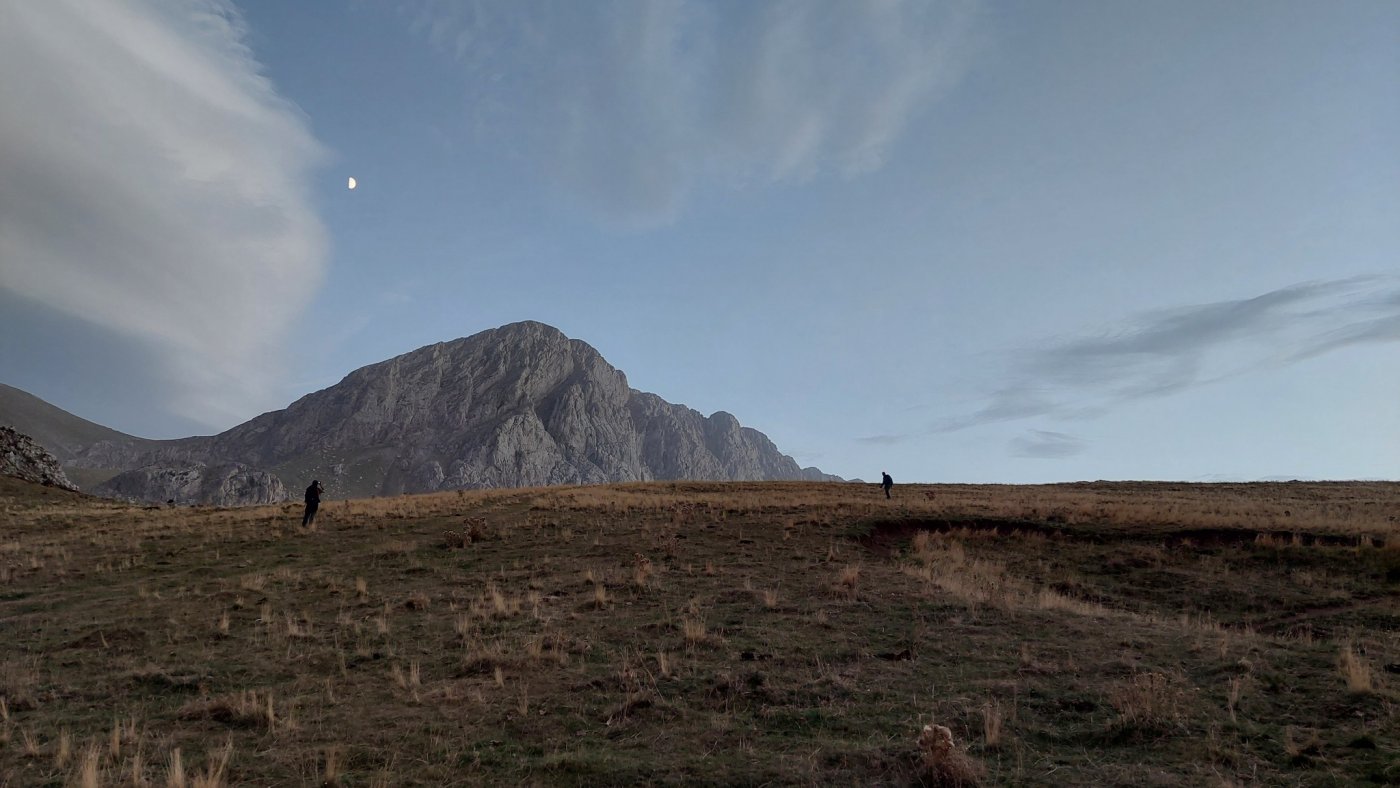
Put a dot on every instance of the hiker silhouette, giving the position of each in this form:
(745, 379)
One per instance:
(313, 502)
(886, 482)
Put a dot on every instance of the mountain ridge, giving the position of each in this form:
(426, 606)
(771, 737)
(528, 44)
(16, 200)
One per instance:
(518, 405)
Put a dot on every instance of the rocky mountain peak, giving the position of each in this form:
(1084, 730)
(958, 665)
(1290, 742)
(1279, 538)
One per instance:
(519, 405)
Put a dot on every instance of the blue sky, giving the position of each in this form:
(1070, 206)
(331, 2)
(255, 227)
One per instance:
(965, 241)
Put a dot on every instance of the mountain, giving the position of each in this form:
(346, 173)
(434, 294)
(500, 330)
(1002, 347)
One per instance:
(520, 405)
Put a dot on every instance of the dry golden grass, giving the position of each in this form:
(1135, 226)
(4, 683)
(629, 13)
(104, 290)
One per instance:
(1149, 700)
(771, 633)
(1355, 671)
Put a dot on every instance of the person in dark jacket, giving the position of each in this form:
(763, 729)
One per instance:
(886, 482)
(313, 502)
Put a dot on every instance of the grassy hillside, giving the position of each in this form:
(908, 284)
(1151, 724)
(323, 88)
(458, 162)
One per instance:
(54, 428)
(782, 633)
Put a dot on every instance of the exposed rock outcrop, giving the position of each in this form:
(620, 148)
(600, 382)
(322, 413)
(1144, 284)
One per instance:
(21, 457)
(228, 484)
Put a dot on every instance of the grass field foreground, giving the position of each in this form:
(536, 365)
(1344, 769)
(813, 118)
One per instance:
(744, 633)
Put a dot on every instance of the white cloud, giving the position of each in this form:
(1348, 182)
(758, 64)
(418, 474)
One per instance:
(153, 182)
(1160, 353)
(633, 103)
(1045, 445)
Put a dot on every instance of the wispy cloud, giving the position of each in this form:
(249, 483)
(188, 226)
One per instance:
(153, 182)
(884, 440)
(1045, 445)
(1158, 353)
(633, 103)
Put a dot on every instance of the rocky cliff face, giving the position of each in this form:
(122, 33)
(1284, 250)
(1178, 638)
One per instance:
(521, 405)
(20, 456)
(228, 484)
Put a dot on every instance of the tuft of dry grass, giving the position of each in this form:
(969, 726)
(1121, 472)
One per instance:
(64, 749)
(1299, 744)
(993, 723)
(848, 581)
(1151, 700)
(642, 570)
(175, 770)
(249, 708)
(694, 630)
(1355, 671)
(1232, 701)
(330, 766)
(87, 775)
(213, 775)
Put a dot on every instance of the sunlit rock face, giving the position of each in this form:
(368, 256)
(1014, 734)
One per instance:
(517, 406)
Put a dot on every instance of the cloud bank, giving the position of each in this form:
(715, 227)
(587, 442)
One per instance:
(152, 182)
(632, 104)
(1159, 353)
(1045, 445)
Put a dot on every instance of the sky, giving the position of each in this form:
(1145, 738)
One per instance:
(959, 241)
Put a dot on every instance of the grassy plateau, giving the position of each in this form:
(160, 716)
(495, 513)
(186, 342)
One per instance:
(706, 633)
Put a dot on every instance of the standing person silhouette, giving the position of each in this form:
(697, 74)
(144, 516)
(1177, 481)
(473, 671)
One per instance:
(886, 482)
(313, 502)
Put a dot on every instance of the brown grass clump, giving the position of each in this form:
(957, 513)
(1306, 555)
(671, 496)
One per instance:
(848, 582)
(175, 770)
(944, 763)
(770, 597)
(694, 630)
(642, 570)
(330, 768)
(1354, 669)
(1148, 700)
(213, 776)
(87, 775)
(418, 600)
(249, 709)
(473, 530)
(64, 750)
(993, 723)
(1301, 744)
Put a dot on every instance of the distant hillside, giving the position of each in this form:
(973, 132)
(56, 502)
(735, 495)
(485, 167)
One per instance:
(65, 436)
(91, 453)
(521, 405)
